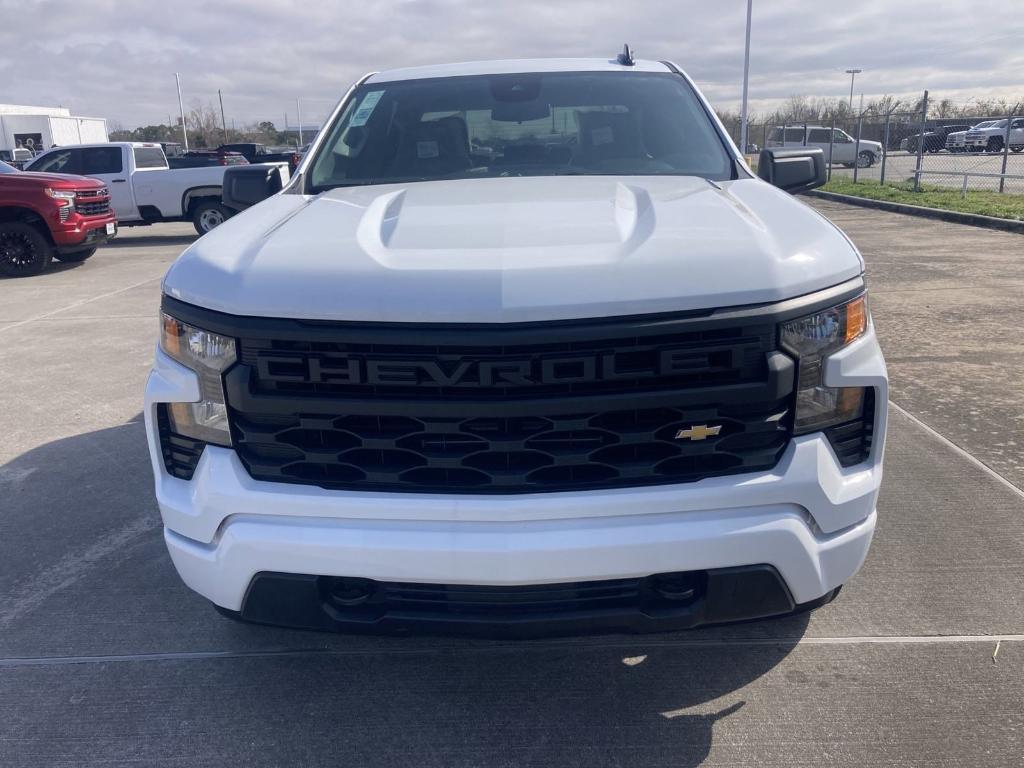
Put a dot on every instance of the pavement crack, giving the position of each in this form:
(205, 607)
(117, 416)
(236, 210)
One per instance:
(39, 661)
(76, 304)
(959, 449)
(69, 569)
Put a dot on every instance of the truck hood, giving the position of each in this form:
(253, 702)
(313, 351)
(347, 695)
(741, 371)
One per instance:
(514, 249)
(60, 180)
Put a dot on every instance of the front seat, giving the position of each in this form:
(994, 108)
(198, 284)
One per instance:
(609, 140)
(433, 148)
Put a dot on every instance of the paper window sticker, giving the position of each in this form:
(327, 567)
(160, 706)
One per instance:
(602, 135)
(365, 108)
(426, 150)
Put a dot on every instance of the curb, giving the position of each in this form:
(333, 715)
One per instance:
(956, 217)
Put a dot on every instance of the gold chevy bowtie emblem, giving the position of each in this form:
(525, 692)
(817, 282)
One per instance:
(698, 432)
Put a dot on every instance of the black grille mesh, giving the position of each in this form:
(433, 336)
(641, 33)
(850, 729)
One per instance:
(292, 423)
(510, 454)
(93, 209)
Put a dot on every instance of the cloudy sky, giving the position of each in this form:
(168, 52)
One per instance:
(117, 58)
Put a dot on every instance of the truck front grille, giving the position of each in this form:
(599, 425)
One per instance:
(97, 208)
(510, 454)
(516, 409)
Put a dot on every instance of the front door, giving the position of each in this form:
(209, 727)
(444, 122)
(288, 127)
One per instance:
(107, 165)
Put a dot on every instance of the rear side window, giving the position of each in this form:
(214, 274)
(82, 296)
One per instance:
(793, 135)
(149, 157)
(818, 135)
(59, 161)
(99, 160)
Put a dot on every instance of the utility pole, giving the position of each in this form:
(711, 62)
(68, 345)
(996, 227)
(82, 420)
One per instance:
(298, 113)
(223, 122)
(746, 81)
(181, 106)
(853, 74)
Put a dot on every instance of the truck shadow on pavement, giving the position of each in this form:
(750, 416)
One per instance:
(127, 239)
(84, 573)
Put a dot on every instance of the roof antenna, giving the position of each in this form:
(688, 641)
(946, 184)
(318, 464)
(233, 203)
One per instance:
(626, 57)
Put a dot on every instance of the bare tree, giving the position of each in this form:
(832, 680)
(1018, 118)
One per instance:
(204, 127)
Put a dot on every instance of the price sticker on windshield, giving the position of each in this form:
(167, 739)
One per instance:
(365, 108)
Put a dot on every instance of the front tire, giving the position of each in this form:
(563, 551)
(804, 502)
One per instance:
(23, 250)
(995, 144)
(208, 216)
(76, 256)
(865, 159)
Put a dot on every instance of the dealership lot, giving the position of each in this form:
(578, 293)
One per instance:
(942, 169)
(105, 658)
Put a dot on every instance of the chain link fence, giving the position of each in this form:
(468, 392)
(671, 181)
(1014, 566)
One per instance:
(910, 149)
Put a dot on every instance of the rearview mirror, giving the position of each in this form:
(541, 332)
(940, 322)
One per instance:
(793, 170)
(520, 112)
(246, 185)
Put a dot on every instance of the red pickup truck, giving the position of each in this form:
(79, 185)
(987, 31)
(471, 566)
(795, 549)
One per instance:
(45, 216)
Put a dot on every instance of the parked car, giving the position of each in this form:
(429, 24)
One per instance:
(934, 141)
(201, 158)
(600, 376)
(843, 147)
(992, 138)
(956, 141)
(258, 153)
(50, 216)
(17, 157)
(144, 190)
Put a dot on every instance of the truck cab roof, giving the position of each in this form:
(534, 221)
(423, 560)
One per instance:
(515, 66)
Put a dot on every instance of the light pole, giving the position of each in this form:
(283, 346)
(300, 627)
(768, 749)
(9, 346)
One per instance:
(853, 74)
(184, 132)
(746, 82)
(298, 114)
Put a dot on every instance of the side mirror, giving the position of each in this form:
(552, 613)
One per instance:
(793, 170)
(246, 185)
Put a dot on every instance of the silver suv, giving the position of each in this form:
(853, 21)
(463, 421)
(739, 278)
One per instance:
(844, 147)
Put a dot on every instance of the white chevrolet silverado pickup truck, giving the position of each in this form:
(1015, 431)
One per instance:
(524, 346)
(143, 190)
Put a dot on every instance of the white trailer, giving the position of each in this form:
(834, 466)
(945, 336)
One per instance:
(39, 128)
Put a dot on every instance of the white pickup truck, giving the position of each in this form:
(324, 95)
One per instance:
(143, 189)
(992, 137)
(522, 343)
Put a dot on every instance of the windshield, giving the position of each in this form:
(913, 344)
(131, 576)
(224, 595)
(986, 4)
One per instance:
(985, 124)
(563, 123)
(5, 168)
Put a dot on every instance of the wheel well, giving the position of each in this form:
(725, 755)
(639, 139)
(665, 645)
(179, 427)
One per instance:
(28, 216)
(197, 195)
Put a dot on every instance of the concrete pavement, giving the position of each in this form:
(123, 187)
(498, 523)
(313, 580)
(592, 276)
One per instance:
(105, 658)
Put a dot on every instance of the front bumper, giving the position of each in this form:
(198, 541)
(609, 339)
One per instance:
(79, 233)
(809, 519)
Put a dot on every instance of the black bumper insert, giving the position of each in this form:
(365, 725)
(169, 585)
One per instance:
(659, 602)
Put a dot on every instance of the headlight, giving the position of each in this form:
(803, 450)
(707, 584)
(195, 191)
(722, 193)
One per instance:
(812, 339)
(62, 196)
(209, 355)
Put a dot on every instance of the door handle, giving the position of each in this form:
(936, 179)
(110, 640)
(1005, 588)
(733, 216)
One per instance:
(117, 181)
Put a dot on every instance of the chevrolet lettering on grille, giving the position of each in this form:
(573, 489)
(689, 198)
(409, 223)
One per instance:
(468, 372)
